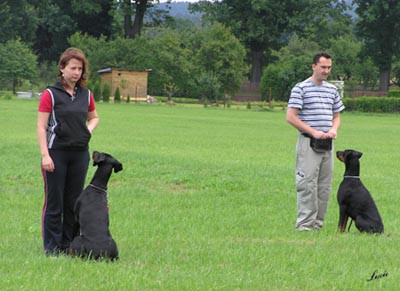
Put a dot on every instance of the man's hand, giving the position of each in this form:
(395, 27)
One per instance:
(320, 134)
(332, 133)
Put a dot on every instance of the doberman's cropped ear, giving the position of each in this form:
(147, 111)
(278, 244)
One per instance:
(98, 158)
(117, 167)
(351, 154)
(357, 154)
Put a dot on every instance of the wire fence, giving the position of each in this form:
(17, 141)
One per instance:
(250, 92)
(354, 93)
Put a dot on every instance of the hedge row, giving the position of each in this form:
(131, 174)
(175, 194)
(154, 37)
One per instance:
(178, 99)
(393, 93)
(373, 104)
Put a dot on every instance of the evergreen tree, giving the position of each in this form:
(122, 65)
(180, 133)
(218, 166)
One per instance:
(117, 96)
(106, 92)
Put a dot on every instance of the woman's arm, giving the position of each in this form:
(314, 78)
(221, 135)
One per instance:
(93, 120)
(47, 162)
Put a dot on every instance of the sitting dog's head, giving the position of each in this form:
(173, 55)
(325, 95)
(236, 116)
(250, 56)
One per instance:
(103, 158)
(348, 155)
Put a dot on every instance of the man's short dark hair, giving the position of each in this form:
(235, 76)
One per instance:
(321, 55)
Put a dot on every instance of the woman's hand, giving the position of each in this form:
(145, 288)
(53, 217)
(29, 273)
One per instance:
(47, 164)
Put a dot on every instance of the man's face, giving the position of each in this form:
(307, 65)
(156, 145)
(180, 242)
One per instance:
(322, 69)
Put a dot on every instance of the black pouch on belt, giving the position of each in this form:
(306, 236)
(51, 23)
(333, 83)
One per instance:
(321, 145)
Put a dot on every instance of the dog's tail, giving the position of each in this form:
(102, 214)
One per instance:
(351, 222)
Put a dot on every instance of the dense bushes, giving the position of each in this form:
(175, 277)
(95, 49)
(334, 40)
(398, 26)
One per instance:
(175, 57)
(179, 100)
(373, 104)
(394, 93)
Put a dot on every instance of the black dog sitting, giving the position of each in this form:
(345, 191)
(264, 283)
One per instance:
(354, 199)
(92, 237)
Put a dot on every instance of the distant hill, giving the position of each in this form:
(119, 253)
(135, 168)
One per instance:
(179, 10)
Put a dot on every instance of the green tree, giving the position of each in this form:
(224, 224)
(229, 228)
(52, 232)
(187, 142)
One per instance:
(345, 52)
(177, 57)
(208, 87)
(137, 10)
(292, 66)
(47, 73)
(94, 17)
(396, 73)
(170, 89)
(263, 25)
(18, 19)
(52, 34)
(60, 19)
(99, 51)
(220, 53)
(378, 25)
(171, 61)
(366, 74)
(328, 23)
(17, 62)
(135, 54)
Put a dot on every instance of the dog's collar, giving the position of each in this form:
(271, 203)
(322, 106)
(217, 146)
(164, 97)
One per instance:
(98, 188)
(352, 177)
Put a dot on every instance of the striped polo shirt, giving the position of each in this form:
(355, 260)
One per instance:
(316, 103)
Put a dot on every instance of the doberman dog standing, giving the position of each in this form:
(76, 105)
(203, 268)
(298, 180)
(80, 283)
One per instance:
(354, 199)
(92, 236)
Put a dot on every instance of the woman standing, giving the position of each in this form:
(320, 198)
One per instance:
(66, 119)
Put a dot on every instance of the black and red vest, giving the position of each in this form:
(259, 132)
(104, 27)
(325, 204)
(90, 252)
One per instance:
(67, 126)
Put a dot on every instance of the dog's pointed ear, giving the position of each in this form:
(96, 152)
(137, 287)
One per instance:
(98, 158)
(117, 167)
(358, 154)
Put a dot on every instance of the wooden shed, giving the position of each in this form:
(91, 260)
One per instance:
(129, 82)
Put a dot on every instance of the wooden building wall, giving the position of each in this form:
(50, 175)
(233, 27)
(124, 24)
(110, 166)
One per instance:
(132, 83)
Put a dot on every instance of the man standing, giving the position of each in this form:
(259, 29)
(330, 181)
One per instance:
(314, 110)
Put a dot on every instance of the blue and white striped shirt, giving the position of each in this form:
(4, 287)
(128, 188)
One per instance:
(316, 103)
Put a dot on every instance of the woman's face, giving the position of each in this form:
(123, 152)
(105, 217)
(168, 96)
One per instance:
(72, 71)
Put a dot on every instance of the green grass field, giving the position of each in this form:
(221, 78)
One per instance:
(206, 201)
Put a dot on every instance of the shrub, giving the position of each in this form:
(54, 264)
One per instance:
(205, 102)
(106, 92)
(117, 95)
(394, 93)
(6, 95)
(228, 101)
(373, 104)
(97, 91)
(179, 100)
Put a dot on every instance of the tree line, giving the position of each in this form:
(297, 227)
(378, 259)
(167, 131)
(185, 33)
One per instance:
(267, 42)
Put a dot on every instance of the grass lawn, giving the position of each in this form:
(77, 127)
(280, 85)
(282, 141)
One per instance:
(206, 201)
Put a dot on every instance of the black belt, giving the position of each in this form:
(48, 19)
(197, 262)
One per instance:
(306, 135)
